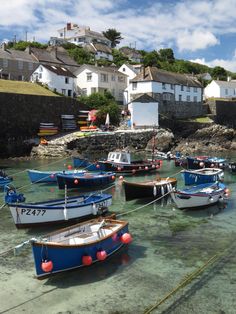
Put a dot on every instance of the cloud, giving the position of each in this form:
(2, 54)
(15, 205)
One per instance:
(229, 65)
(182, 24)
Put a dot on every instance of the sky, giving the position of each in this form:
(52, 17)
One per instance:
(202, 31)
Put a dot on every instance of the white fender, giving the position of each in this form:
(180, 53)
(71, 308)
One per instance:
(154, 191)
(65, 213)
(94, 209)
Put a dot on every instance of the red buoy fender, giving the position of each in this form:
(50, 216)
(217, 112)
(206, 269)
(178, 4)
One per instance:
(126, 238)
(101, 255)
(87, 260)
(47, 266)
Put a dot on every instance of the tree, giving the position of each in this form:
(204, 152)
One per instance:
(114, 36)
(219, 73)
(81, 55)
(151, 59)
(118, 57)
(104, 103)
(167, 55)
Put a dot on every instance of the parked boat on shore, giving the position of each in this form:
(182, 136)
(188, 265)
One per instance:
(80, 245)
(204, 175)
(199, 195)
(54, 211)
(150, 189)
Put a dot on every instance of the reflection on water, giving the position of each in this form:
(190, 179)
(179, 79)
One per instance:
(167, 245)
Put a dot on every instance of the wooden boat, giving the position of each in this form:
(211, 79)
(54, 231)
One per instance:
(54, 211)
(37, 176)
(85, 180)
(204, 175)
(151, 189)
(79, 245)
(4, 178)
(199, 195)
(125, 162)
(199, 162)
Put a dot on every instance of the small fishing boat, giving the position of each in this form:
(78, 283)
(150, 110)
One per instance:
(79, 245)
(199, 162)
(232, 166)
(204, 175)
(151, 189)
(199, 195)
(127, 163)
(54, 211)
(79, 162)
(85, 180)
(4, 178)
(37, 176)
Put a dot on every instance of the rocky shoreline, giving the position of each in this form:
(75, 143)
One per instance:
(208, 139)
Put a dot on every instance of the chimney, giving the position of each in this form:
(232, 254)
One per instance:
(68, 26)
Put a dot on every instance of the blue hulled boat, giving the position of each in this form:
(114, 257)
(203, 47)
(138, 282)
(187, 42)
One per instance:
(37, 176)
(4, 178)
(84, 163)
(79, 245)
(85, 180)
(199, 162)
(199, 176)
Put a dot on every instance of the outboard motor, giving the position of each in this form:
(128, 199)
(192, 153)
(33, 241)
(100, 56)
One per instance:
(12, 196)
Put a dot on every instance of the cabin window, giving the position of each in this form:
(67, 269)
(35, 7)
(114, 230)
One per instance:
(124, 158)
(118, 156)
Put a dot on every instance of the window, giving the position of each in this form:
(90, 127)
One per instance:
(67, 81)
(20, 65)
(40, 75)
(121, 78)
(89, 76)
(63, 91)
(123, 69)
(113, 77)
(40, 69)
(61, 34)
(180, 97)
(5, 63)
(195, 89)
(120, 93)
(69, 92)
(20, 78)
(166, 96)
(195, 98)
(182, 87)
(84, 91)
(188, 98)
(171, 86)
(163, 85)
(226, 91)
(188, 89)
(104, 77)
(134, 85)
(113, 92)
(30, 66)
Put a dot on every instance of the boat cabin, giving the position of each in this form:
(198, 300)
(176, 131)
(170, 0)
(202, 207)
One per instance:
(119, 157)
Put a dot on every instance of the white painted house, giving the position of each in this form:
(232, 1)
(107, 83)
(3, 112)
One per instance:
(100, 51)
(220, 89)
(57, 78)
(130, 70)
(164, 85)
(92, 79)
(144, 112)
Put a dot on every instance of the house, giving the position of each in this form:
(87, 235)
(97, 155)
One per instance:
(178, 95)
(132, 54)
(56, 78)
(220, 89)
(78, 35)
(16, 65)
(100, 51)
(91, 79)
(130, 70)
(144, 112)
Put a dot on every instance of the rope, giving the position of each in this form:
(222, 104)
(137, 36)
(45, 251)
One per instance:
(184, 282)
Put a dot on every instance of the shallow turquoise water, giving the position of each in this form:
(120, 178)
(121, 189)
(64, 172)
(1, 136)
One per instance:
(168, 244)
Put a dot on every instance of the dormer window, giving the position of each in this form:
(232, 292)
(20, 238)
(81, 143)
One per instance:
(134, 85)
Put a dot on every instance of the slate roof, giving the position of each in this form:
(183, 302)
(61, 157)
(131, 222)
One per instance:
(42, 55)
(16, 55)
(226, 84)
(105, 69)
(59, 70)
(144, 98)
(62, 55)
(162, 76)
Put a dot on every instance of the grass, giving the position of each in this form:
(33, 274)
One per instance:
(18, 87)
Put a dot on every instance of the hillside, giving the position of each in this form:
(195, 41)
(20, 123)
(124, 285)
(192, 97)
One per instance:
(18, 87)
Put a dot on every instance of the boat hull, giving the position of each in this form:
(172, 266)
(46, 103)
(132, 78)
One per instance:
(87, 180)
(36, 176)
(68, 257)
(148, 189)
(200, 176)
(133, 168)
(84, 163)
(184, 199)
(36, 214)
(200, 162)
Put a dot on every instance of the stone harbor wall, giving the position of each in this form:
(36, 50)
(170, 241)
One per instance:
(95, 145)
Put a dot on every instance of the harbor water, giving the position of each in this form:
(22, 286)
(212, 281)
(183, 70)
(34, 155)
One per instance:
(180, 261)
